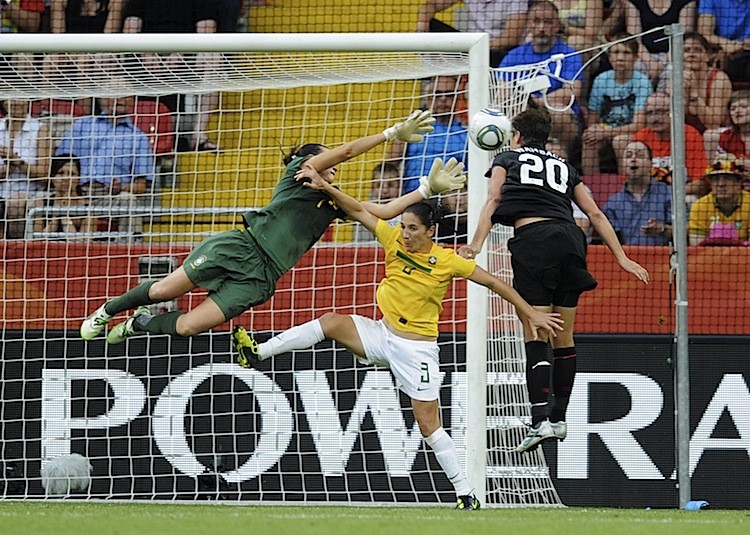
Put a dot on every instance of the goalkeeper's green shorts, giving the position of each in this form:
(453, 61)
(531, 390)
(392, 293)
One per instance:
(236, 272)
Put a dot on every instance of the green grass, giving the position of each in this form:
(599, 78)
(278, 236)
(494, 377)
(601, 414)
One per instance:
(64, 518)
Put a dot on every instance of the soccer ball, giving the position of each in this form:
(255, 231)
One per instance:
(489, 129)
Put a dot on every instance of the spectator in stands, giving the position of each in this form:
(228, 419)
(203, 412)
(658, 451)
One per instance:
(386, 186)
(580, 22)
(723, 216)
(452, 227)
(707, 88)
(66, 192)
(86, 16)
(616, 104)
(543, 28)
(582, 220)
(25, 151)
(641, 212)
(503, 20)
(21, 15)
(726, 24)
(448, 140)
(179, 16)
(735, 139)
(656, 135)
(644, 15)
(117, 162)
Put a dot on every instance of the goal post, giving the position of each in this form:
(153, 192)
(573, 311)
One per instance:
(275, 89)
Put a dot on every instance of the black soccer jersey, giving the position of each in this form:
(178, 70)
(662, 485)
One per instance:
(538, 183)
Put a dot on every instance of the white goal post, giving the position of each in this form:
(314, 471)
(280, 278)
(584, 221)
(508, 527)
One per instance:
(235, 64)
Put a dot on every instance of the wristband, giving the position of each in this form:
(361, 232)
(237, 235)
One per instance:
(390, 133)
(424, 188)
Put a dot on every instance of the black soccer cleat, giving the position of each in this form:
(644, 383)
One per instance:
(468, 502)
(246, 346)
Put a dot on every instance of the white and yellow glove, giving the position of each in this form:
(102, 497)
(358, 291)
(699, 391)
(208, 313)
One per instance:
(412, 128)
(442, 178)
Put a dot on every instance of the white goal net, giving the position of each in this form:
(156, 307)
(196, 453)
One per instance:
(173, 419)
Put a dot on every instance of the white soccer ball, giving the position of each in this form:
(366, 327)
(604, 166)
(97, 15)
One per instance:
(489, 129)
(66, 473)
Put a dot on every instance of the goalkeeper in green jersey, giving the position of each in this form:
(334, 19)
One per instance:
(239, 268)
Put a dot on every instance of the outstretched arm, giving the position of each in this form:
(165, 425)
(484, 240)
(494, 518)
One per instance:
(604, 228)
(534, 319)
(442, 178)
(410, 130)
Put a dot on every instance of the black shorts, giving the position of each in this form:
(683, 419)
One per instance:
(549, 263)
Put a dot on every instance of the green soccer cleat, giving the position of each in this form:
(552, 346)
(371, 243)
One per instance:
(124, 330)
(468, 503)
(246, 346)
(95, 324)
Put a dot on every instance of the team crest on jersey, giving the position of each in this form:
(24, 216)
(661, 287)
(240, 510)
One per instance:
(195, 264)
(327, 202)
(432, 260)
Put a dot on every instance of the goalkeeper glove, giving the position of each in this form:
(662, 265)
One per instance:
(442, 178)
(412, 128)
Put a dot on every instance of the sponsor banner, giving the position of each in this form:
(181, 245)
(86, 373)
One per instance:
(177, 419)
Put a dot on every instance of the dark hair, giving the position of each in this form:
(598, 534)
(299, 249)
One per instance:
(59, 161)
(631, 43)
(429, 213)
(302, 150)
(383, 168)
(535, 4)
(649, 152)
(696, 36)
(534, 126)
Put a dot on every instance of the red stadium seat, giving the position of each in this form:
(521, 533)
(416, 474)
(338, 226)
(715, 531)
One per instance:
(155, 119)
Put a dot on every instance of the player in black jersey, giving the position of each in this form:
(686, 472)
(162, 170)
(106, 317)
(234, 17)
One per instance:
(531, 189)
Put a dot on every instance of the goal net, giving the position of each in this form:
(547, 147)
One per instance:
(162, 418)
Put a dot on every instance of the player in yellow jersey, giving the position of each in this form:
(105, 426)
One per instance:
(417, 275)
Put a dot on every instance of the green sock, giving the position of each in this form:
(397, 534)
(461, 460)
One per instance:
(161, 324)
(133, 298)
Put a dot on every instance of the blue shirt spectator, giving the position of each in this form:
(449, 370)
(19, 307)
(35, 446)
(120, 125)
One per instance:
(109, 147)
(731, 17)
(641, 212)
(571, 66)
(446, 141)
(543, 27)
(630, 215)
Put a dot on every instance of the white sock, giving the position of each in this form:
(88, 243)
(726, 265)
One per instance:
(447, 456)
(298, 337)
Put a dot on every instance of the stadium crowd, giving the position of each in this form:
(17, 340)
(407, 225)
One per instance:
(618, 98)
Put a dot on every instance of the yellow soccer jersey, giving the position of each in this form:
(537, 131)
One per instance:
(411, 294)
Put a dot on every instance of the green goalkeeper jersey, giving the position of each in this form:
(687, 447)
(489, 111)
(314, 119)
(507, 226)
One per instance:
(293, 221)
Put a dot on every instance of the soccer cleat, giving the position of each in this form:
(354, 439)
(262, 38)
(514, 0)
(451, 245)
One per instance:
(536, 435)
(124, 330)
(560, 429)
(246, 346)
(95, 323)
(468, 502)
